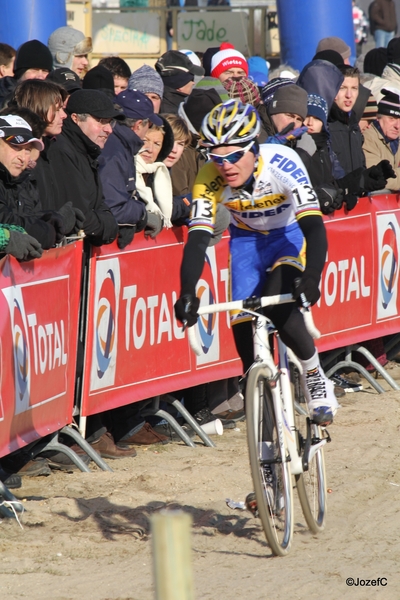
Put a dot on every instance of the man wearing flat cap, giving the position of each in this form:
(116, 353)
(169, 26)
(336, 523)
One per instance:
(381, 140)
(74, 160)
(177, 72)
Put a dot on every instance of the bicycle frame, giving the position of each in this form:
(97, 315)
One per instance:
(281, 389)
(279, 375)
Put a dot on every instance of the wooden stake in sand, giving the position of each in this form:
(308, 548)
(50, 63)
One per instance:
(172, 555)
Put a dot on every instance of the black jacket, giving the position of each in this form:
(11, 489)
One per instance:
(7, 87)
(20, 205)
(44, 178)
(73, 158)
(171, 100)
(346, 139)
(318, 165)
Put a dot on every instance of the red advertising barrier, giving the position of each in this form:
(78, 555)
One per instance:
(39, 308)
(135, 349)
(360, 282)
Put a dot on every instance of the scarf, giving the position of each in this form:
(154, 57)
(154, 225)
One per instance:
(158, 198)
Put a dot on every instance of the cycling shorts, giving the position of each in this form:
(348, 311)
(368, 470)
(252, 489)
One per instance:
(253, 255)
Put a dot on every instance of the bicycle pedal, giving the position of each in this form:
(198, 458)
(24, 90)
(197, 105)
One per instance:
(251, 504)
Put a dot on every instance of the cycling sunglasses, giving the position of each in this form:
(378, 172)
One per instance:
(231, 157)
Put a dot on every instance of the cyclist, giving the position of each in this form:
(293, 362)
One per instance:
(274, 212)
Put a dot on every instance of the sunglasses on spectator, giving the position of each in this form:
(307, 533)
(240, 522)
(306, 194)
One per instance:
(104, 121)
(231, 157)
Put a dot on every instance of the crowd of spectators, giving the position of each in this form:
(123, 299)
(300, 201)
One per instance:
(113, 154)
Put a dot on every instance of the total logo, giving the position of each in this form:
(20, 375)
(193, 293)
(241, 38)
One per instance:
(19, 328)
(106, 317)
(207, 325)
(105, 324)
(389, 266)
(388, 237)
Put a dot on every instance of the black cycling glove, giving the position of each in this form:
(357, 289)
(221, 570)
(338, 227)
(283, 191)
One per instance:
(307, 284)
(186, 308)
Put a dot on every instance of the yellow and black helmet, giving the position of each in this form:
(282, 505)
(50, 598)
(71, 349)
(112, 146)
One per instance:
(230, 123)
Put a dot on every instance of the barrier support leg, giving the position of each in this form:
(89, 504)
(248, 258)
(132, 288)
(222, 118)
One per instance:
(381, 370)
(76, 436)
(55, 445)
(189, 419)
(156, 411)
(357, 367)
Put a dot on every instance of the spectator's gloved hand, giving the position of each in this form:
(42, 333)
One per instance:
(125, 235)
(73, 218)
(307, 284)
(23, 246)
(287, 134)
(374, 179)
(79, 219)
(387, 169)
(186, 308)
(330, 198)
(153, 226)
(350, 201)
(56, 220)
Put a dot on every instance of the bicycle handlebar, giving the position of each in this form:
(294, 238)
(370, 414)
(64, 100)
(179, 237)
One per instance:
(248, 306)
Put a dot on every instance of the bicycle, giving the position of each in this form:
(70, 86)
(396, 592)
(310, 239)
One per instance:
(282, 439)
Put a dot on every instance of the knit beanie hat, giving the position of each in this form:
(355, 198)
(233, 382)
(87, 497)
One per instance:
(228, 58)
(317, 107)
(146, 80)
(330, 56)
(99, 78)
(289, 99)
(371, 109)
(334, 43)
(268, 91)
(244, 89)
(258, 70)
(207, 58)
(67, 42)
(376, 60)
(390, 103)
(32, 55)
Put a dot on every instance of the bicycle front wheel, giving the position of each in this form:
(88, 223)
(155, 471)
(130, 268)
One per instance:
(269, 463)
(311, 484)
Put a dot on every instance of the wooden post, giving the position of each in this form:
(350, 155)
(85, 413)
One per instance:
(172, 555)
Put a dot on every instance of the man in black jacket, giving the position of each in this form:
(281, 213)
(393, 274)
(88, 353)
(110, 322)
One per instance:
(347, 141)
(91, 115)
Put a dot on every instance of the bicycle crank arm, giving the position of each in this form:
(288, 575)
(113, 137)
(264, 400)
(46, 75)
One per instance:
(314, 449)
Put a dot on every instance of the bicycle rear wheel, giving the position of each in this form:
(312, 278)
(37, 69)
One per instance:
(311, 484)
(270, 468)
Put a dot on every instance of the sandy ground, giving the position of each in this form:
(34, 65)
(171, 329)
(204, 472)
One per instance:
(87, 536)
